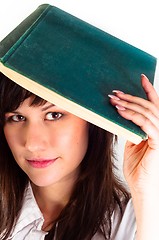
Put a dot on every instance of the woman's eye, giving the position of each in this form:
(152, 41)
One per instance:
(16, 118)
(53, 116)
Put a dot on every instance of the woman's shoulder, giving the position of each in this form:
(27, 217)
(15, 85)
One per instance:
(124, 227)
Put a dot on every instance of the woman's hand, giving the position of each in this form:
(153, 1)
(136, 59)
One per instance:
(141, 162)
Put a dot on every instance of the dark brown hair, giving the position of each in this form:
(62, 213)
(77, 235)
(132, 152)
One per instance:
(97, 191)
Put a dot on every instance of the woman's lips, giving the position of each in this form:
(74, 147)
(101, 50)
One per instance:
(41, 163)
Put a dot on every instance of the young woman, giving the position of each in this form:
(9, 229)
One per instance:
(57, 177)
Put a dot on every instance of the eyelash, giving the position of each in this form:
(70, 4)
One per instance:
(11, 118)
(55, 117)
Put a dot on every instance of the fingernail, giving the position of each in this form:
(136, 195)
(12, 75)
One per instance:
(117, 91)
(143, 75)
(113, 97)
(120, 107)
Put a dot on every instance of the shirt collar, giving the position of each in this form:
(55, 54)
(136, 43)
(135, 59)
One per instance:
(29, 213)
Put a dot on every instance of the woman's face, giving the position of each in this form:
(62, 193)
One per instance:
(47, 142)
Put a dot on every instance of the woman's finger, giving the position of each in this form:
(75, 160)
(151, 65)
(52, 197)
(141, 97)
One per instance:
(151, 114)
(138, 105)
(135, 103)
(145, 124)
(149, 90)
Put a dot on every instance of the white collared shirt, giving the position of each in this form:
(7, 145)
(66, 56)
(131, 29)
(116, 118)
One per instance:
(30, 221)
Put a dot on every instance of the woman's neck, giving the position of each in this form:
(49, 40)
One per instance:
(51, 200)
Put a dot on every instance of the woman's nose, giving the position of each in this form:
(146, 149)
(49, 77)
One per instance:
(36, 138)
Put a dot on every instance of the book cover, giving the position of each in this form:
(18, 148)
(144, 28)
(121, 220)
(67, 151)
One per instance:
(75, 65)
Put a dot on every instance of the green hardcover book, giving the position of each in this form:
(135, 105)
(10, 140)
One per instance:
(75, 65)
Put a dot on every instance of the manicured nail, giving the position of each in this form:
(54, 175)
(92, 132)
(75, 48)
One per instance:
(120, 107)
(143, 75)
(113, 97)
(117, 91)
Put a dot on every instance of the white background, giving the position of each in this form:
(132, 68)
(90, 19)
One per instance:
(136, 22)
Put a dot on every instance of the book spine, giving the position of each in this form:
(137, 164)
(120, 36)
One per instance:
(9, 44)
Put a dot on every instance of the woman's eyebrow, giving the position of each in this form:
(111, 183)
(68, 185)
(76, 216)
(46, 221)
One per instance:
(47, 107)
(15, 112)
